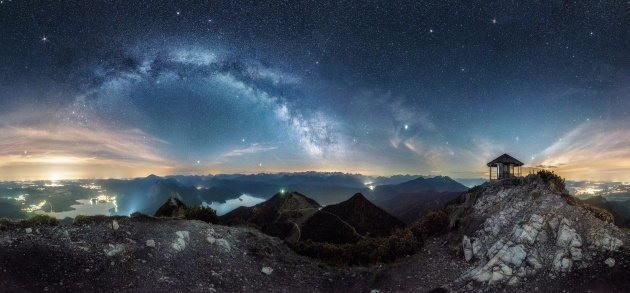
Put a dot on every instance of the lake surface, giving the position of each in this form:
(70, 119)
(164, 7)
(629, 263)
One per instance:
(85, 207)
(244, 200)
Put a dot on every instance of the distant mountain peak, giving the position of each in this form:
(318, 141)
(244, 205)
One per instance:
(358, 196)
(364, 216)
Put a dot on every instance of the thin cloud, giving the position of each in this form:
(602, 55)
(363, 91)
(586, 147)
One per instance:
(592, 151)
(254, 148)
(36, 145)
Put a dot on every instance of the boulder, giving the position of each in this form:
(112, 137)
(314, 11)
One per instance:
(267, 270)
(182, 238)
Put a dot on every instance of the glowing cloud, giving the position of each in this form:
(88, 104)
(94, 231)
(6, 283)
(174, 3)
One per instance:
(45, 150)
(592, 151)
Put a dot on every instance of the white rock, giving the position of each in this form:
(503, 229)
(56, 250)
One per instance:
(534, 262)
(521, 272)
(576, 253)
(223, 243)
(28, 230)
(601, 239)
(506, 270)
(114, 249)
(181, 240)
(211, 239)
(468, 253)
(610, 262)
(150, 243)
(476, 247)
(512, 255)
(497, 275)
(183, 235)
(562, 261)
(553, 224)
(526, 234)
(115, 225)
(267, 270)
(513, 281)
(495, 230)
(565, 234)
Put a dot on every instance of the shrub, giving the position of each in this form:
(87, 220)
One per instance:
(201, 213)
(554, 181)
(83, 219)
(401, 243)
(39, 220)
(571, 200)
(601, 214)
(6, 223)
(432, 223)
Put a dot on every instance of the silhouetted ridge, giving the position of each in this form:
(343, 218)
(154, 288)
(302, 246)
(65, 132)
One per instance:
(280, 216)
(420, 184)
(173, 207)
(620, 213)
(364, 216)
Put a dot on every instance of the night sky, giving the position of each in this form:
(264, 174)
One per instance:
(100, 89)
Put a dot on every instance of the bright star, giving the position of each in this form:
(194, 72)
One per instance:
(197, 162)
(177, 12)
(44, 39)
(494, 20)
(406, 126)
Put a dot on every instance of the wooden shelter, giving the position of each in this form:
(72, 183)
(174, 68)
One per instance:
(506, 167)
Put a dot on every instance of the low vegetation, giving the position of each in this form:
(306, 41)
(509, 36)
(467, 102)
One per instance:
(556, 184)
(200, 213)
(37, 220)
(553, 180)
(402, 243)
(458, 209)
(599, 213)
(83, 219)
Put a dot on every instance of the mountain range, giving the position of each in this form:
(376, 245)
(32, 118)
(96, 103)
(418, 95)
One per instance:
(147, 194)
(293, 216)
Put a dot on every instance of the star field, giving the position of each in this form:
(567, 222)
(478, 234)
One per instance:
(99, 89)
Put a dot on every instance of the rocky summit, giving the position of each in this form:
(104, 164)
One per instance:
(518, 233)
(513, 235)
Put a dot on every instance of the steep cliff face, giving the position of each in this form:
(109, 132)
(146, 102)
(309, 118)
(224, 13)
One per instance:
(517, 229)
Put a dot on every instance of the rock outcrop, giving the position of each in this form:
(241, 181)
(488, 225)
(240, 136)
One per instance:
(514, 229)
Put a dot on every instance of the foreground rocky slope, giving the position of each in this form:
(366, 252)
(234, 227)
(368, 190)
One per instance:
(146, 254)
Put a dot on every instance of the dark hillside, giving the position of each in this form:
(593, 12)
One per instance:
(365, 217)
